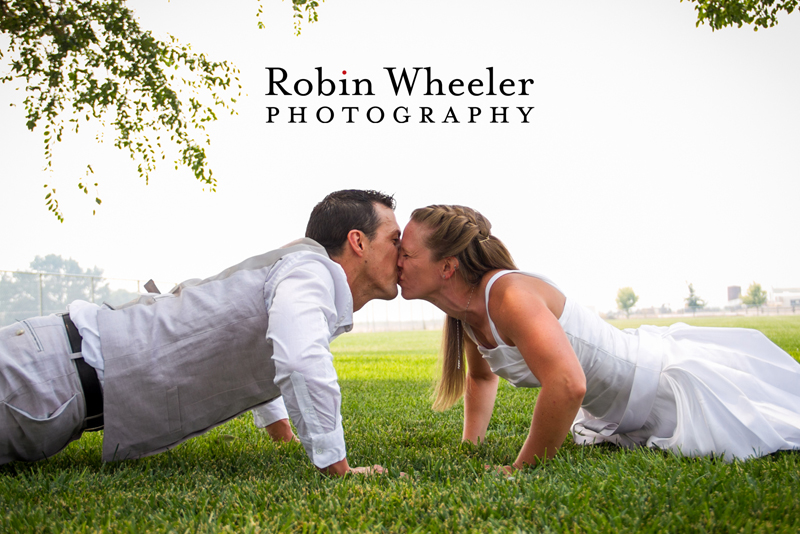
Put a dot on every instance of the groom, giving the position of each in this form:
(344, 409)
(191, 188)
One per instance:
(165, 368)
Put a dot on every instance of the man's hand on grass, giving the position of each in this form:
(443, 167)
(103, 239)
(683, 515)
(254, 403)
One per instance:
(281, 431)
(506, 470)
(374, 470)
(341, 468)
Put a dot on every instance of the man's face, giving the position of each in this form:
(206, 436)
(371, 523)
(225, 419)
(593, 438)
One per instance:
(419, 274)
(380, 255)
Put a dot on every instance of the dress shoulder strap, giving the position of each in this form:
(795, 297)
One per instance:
(489, 285)
(491, 282)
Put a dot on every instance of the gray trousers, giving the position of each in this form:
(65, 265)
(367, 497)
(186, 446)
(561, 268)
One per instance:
(42, 407)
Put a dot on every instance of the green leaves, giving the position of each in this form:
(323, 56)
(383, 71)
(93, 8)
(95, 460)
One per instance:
(83, 60)
(626, 299)
(52, 204)
(722, 13)
(298, 6)
(693, 301)
(80, 60)
(755, 297)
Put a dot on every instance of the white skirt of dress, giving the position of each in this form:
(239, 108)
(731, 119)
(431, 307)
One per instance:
(727, 392)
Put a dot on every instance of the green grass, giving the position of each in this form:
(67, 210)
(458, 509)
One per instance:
(234, 479)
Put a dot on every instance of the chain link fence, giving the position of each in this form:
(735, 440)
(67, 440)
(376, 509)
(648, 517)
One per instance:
(26, 294)
(396, 315)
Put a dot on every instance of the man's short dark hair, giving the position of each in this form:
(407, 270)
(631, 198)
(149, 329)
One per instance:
(341, 211)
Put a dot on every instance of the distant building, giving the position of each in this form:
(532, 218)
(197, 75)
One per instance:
(734, 297)
(785, 296)
(734, 292)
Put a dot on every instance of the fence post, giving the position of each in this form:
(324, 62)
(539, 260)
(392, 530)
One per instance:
(91, 285)
(41, 310)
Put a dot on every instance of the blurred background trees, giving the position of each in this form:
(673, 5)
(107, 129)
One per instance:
(626, 299)
(24, 295)
(755, 297)
(693, 301)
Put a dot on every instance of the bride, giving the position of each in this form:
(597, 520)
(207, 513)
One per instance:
(727, 392)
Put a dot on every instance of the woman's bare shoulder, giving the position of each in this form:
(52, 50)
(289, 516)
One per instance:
(517, 291)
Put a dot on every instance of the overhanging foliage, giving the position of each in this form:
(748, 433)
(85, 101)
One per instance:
(722, 13)
(85, 60)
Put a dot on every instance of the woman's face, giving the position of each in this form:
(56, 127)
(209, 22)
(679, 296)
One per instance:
(419, 274)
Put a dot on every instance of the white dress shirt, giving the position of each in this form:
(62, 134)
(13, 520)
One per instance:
(84, 317)
(309, 304)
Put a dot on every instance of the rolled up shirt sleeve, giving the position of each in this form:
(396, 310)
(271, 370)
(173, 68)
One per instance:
(302, 322)
(270, 412)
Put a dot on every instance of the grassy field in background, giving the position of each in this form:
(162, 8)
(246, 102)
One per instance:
(234, 479)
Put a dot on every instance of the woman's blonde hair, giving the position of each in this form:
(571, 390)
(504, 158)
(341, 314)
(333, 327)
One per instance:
(464, 234)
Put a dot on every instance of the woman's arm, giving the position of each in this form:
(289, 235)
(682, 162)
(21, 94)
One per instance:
(479, 397)
(522, 316)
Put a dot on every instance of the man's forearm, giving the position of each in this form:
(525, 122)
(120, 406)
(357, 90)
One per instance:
(281, 431)
(338, 469)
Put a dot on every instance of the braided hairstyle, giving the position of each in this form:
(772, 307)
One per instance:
(464, 234)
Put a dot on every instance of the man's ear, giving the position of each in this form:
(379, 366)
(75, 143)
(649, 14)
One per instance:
(449, 267)
(356, 241)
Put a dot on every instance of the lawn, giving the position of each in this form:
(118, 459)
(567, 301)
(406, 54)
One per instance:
(234, 479)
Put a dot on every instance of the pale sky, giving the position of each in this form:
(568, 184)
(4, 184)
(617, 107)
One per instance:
(657, 153)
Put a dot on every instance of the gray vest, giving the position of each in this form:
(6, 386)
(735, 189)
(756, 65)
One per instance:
(179, 364)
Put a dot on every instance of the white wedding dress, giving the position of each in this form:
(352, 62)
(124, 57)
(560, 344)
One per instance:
(694, 390)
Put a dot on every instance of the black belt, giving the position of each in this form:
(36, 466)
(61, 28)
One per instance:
(92, 391)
